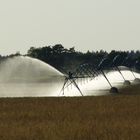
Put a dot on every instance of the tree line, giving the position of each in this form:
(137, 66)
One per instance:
(68, 59)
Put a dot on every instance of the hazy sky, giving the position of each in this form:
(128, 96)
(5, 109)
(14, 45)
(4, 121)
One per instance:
(85, 24)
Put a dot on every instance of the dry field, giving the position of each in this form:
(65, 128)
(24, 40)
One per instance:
(84, 118)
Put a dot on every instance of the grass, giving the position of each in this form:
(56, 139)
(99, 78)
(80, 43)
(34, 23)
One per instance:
(82, 118)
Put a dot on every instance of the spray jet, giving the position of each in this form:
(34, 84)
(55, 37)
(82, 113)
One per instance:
(100, 67)
(115, 60)
(124, 63)
(132, 66)
(136, 80)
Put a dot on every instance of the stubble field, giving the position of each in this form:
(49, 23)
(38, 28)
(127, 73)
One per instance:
(81, 118)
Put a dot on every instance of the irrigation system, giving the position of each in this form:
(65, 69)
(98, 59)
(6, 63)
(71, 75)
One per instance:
(87, 70)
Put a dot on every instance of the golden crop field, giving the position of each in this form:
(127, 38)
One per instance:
(80, 118)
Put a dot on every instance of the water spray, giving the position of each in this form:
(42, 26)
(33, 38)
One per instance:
(100, 67)
(126, 82)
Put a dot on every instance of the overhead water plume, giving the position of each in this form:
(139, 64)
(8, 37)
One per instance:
(24, 76)
(26, 69)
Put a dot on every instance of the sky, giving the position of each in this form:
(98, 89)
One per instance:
(83, 24)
